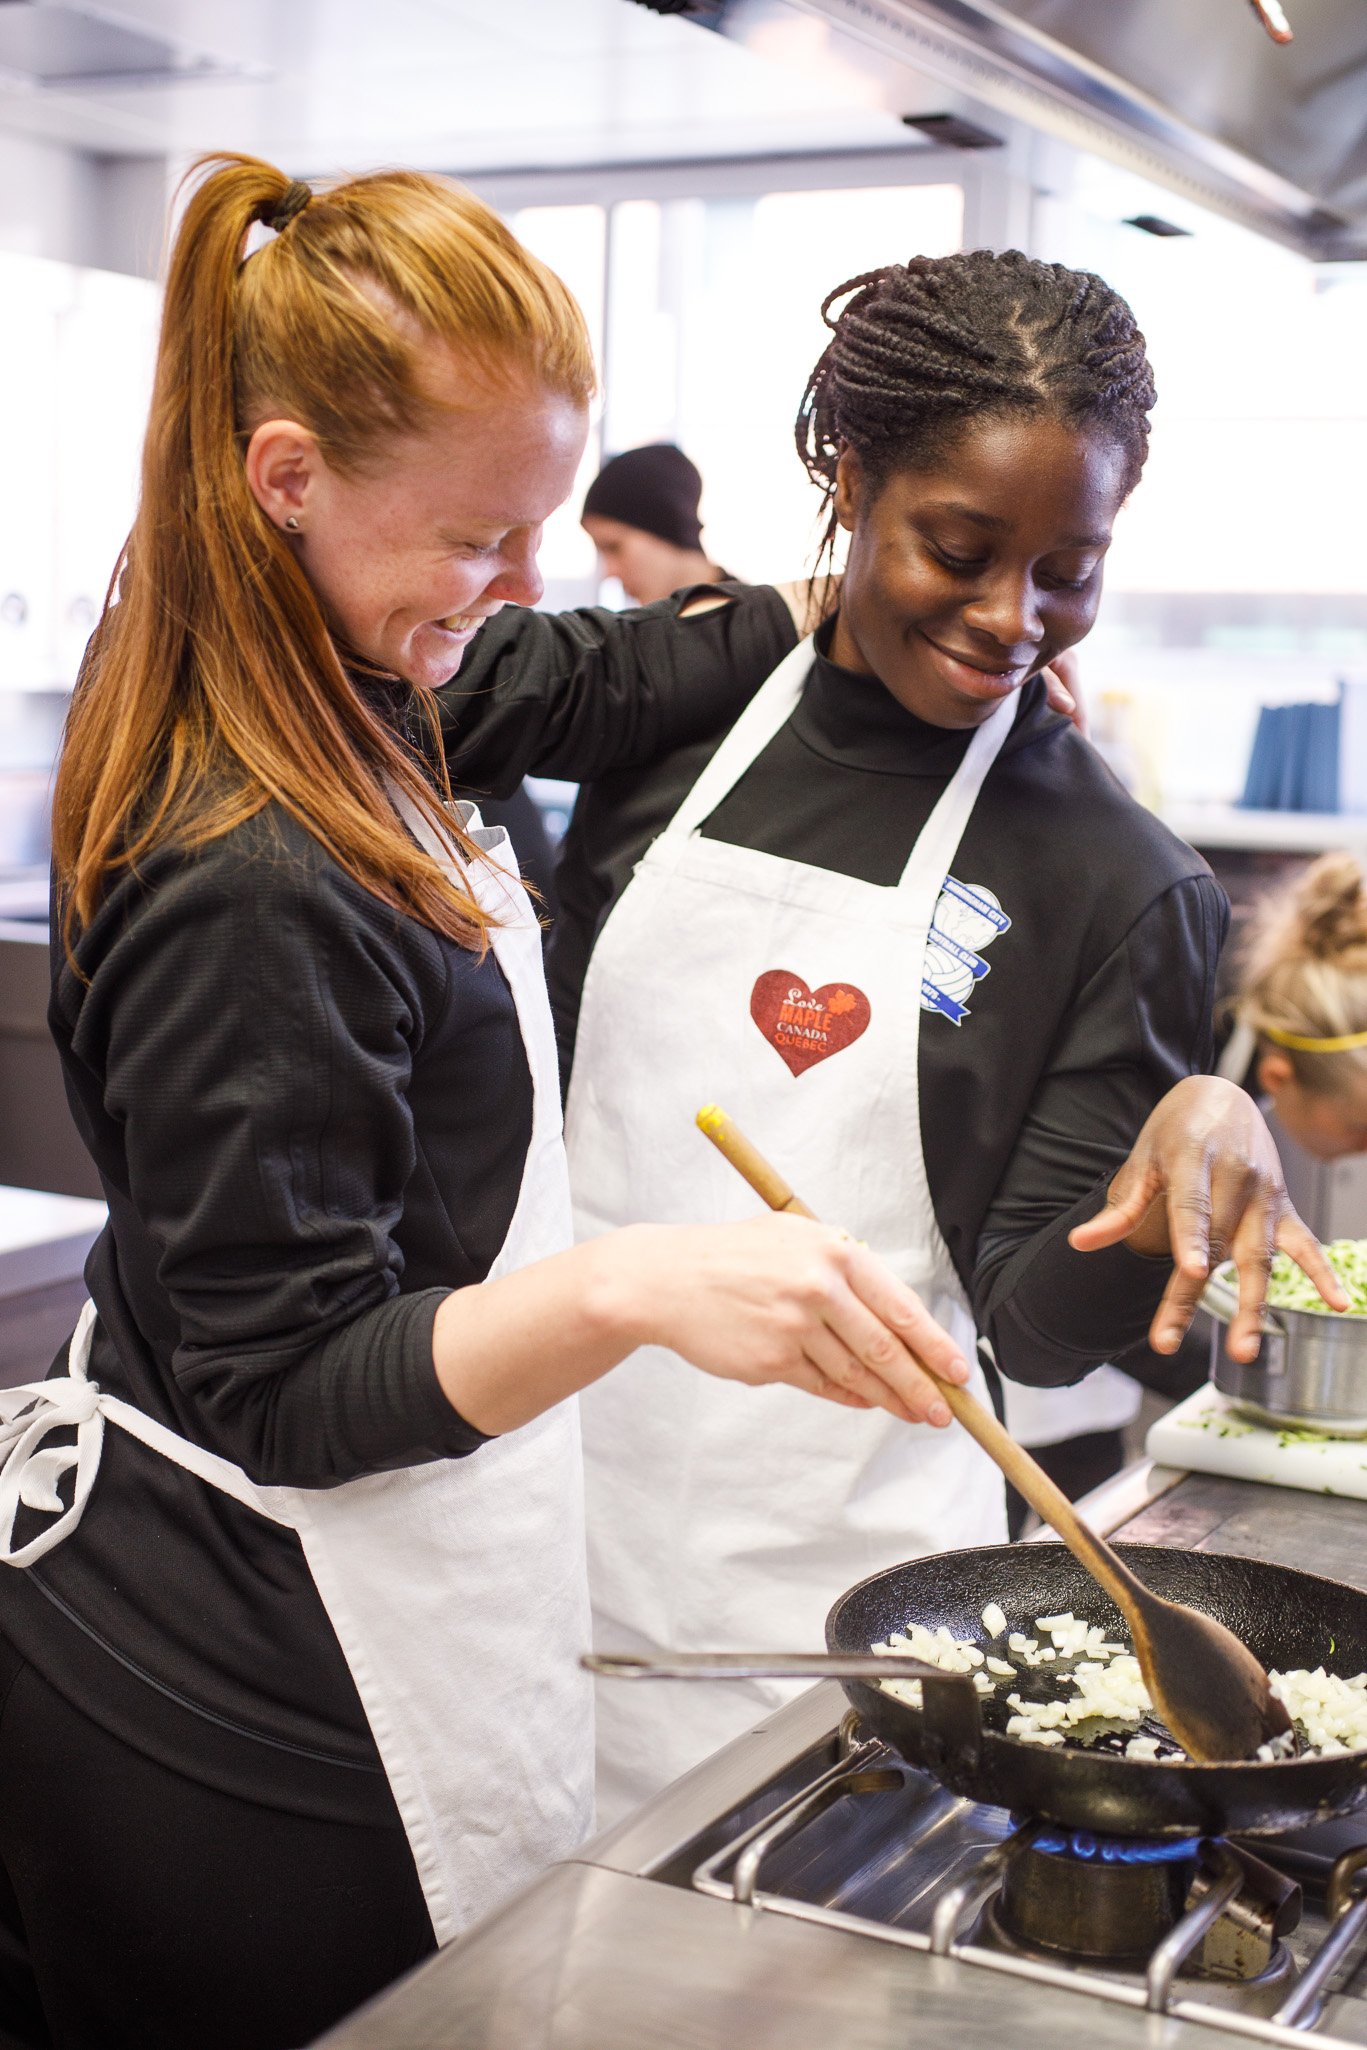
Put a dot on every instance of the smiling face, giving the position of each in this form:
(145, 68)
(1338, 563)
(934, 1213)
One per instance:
(967, 577)
(410, 557)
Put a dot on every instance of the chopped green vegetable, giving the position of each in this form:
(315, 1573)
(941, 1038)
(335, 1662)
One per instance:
(1289, 1289)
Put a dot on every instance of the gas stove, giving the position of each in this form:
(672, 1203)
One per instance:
(1264, 1937)
(804, 1889)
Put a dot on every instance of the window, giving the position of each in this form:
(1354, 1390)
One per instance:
(713, 327)
(76, 356)
(573, 241)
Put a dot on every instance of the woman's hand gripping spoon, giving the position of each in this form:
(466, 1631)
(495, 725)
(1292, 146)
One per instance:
(1206, 1686)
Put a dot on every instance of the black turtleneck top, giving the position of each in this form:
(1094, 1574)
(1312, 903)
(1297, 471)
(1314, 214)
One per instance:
(1096, 1001)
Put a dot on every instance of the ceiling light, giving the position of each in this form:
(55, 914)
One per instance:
(698, 10)
(951, 131)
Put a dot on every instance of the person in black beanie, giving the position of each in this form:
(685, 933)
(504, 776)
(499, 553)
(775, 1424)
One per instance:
(641, 513)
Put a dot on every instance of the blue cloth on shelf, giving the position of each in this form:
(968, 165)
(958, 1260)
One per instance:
(1294, 765)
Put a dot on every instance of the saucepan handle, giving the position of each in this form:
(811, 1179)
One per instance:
(1220, 1299)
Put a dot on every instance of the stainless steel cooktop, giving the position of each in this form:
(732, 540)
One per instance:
(808, 1890)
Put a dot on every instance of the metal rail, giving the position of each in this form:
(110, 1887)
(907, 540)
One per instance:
(754, 1844)
(1226, 1875)
(1348, 1920)
(977, 1888)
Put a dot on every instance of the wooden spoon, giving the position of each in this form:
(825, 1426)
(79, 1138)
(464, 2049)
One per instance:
(1206, 1686)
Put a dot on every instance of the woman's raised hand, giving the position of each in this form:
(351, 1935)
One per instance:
(1203, 1184)
(785, 1299)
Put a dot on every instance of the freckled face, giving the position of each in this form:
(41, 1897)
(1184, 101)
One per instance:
(409, 558)
(966, 579)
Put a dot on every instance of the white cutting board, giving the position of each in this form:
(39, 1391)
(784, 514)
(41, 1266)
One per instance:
(1205, 1435)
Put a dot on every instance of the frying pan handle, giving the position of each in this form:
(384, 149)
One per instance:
(763, 1665)
(951, 1722)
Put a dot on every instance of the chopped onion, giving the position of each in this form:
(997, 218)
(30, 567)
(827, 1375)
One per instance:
(1107, 1685)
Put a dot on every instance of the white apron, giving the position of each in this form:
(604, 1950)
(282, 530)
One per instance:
(457, 1589)
(1104, 1400)
(721, 1516)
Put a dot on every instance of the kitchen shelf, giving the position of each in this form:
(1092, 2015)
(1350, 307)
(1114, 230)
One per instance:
(1281, 832)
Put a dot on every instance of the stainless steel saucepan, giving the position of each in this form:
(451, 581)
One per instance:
(1311, 1369)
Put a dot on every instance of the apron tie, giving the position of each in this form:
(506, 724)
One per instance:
(29, 1469)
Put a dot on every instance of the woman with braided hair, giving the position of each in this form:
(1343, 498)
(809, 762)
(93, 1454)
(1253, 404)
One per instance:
(903, 923)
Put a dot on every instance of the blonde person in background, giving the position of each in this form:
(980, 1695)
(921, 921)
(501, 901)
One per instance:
(1300, 1035)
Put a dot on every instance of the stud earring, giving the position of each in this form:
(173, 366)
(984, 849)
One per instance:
(292, 523)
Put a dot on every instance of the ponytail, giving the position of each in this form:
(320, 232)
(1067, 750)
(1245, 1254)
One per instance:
(212, 687)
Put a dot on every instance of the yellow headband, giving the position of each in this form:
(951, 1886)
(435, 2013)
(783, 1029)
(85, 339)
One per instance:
(1345, 1042)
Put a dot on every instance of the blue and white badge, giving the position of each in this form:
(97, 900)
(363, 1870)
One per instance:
(967, 918)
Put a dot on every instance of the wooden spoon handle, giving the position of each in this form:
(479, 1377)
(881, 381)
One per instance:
(1024, 1474)
(766, 1181)
(1044, 1495)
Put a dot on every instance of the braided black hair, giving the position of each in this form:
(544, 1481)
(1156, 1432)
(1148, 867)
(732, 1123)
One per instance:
(924, 347)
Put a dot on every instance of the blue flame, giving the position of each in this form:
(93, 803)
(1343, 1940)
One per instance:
(1115, 1850)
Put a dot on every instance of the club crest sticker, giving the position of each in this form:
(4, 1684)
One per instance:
(967, 919)
(805, 1025)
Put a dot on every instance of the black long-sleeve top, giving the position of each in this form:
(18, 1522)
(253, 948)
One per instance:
(1097, 999)
(309, 1115)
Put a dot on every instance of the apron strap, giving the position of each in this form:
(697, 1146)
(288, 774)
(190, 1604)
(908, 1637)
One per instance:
(498, 877)
(937, 844)
(771, 707)
(30, 1470)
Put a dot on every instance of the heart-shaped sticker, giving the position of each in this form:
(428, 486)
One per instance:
(805, 1025)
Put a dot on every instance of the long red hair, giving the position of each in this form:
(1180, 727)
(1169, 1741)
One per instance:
(213, 686)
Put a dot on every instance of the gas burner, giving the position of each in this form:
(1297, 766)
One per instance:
(1093, 1897)
(1115, 1901)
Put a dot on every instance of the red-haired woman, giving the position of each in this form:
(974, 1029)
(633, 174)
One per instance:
(289, 1660)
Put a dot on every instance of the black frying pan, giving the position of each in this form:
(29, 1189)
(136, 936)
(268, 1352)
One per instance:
(1287, 1619)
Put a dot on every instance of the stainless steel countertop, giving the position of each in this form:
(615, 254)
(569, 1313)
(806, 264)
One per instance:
(591, 1960)
(1208, 1513)
(597, 1956)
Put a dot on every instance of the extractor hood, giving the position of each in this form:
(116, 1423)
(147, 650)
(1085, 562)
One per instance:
(80, 47)
(1195, 94)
